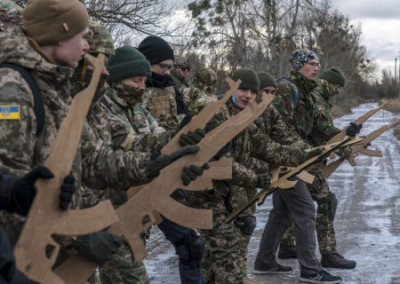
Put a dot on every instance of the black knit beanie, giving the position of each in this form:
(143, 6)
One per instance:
(126, 63)
(266, 80)
(334, 75)
(249, 79)
(156, 49)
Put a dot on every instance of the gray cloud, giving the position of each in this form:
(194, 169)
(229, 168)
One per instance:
(383, 9)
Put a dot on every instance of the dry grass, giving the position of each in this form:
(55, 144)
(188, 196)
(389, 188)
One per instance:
(345, 106)
(393, 106)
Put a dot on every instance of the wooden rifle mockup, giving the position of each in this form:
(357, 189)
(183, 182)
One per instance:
(143, 209)
(45, 217)
(283, 177)
(361, 147)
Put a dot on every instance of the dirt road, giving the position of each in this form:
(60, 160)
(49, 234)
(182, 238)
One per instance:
(367, 221)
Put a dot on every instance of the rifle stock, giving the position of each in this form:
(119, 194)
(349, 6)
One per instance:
(45, 217)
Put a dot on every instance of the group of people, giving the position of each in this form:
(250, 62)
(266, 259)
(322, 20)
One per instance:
(142, 100)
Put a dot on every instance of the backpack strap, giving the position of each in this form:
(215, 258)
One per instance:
(38, 107)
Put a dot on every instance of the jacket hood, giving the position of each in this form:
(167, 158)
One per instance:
(16, 49)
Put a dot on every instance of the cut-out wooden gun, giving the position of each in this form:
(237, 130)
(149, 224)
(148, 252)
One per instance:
(281, 177)
(143, 208)
(45, 218)
(360, 147)
(358, 121)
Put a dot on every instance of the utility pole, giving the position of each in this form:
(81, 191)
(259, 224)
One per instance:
(395, 71)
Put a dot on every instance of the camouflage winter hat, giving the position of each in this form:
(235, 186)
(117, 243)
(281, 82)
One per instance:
(180, 61)
(207, 75)
(126, 63)
(249, 79)
(334, 75)
(50, 22)
(100, 40)
(266, 80)
(300, 57)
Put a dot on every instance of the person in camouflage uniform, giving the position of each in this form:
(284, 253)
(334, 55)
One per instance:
(162, 97)
(305, 120)
(25, 143)
(251, 151)
(200, 94)
(180, 71)
(129, 70)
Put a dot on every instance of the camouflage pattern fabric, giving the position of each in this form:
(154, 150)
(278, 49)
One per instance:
(20, 149)
(161, 104)
(305, 118)
(179, 81)
(221, 264)
(206, 75)
(100, 40)
(10, 15)
(308, 122)
(145, 134)
(196, 99)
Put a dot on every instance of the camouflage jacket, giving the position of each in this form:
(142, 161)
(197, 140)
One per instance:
(145, 135)
(162, 104)
(21, 149)
(271, 123)
(253, 150)
(108, 169)
(304, 119)
(321, 95)
(180, 82)
(196, 98)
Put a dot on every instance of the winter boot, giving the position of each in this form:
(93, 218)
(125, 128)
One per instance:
(287, 252)
(335, 260)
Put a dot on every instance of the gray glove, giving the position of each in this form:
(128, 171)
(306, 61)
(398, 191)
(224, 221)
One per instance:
(98, 247)
(191, 138)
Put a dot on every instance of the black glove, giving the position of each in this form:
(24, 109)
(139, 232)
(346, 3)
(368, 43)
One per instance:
(98, 247)
(192, 172)
(67, 191)
(308, 155)
(23, 191)
(246, 224)
(353, 129)
(160, 162)
(191, 138)
(264, 181)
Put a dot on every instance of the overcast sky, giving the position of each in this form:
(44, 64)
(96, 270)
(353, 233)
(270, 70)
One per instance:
(380, 24)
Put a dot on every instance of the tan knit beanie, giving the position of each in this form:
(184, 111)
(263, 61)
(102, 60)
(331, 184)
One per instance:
(49, 22)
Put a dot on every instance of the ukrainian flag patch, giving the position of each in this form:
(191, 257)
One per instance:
(10, 112)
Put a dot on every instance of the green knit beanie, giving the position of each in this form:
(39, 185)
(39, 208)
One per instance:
(334, 75)
(249, 79)
(266, 80)
(126, 63)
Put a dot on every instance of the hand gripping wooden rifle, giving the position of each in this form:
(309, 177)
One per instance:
(45, 218)
(360, 147)
(143, 208)
(282, 176)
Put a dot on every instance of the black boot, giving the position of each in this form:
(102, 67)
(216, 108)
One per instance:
(335, 260)
(287, 252)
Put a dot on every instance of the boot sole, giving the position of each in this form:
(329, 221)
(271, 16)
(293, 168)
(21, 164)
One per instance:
(266, 272)
(338, 267)
(305, 280)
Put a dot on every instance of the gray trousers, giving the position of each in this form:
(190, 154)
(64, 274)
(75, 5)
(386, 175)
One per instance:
(298, 203)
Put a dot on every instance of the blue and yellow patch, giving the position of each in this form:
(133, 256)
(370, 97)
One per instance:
(10, 112)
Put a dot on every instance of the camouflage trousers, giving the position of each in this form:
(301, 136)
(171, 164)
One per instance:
(221, 264)
(122, 269)
(321, 194)
(238, 197)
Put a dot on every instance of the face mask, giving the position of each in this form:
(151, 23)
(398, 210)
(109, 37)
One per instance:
(131, 95)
